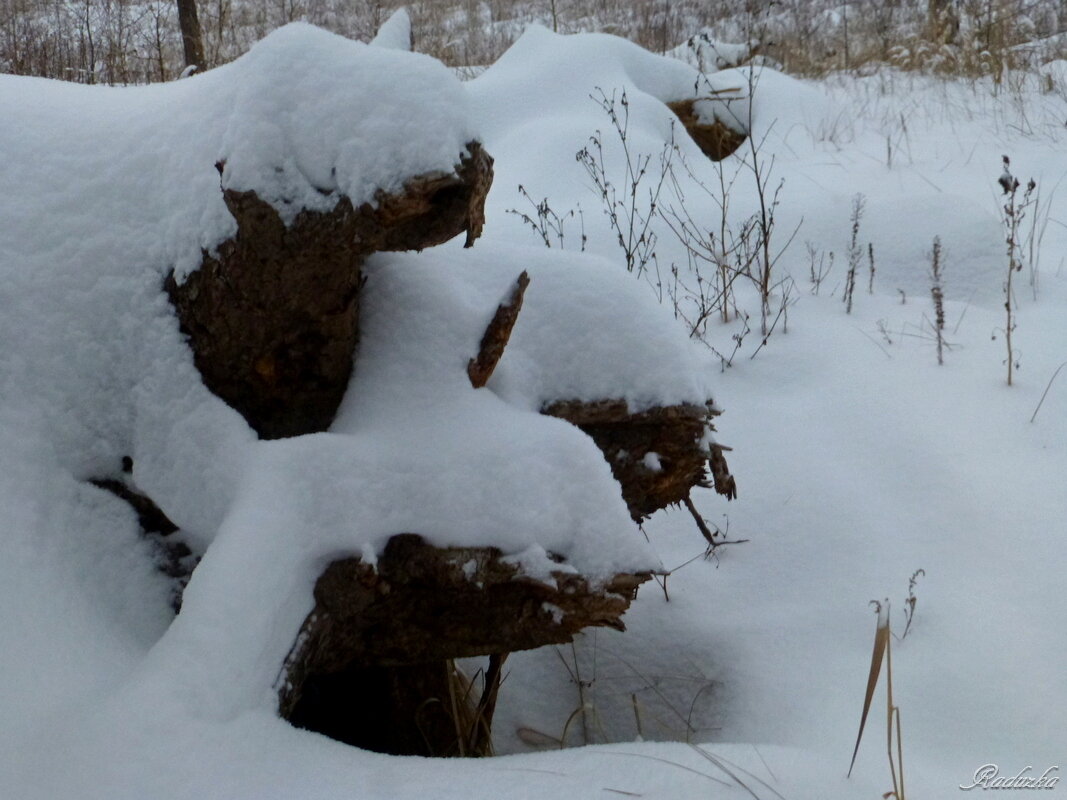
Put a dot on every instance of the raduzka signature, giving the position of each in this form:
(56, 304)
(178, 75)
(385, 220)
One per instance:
(988, 776)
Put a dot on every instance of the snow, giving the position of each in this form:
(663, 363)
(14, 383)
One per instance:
(708, 54)
(859, 460)
(395, 32)
(536, 76)
(582, 334)
(287, 119)
(415, 449)
(1056, 72)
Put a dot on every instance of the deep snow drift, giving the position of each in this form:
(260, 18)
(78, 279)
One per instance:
(859, 459)
(113, 189)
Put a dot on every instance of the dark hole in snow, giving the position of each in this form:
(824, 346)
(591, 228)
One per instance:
(374, 664)
(395, 710)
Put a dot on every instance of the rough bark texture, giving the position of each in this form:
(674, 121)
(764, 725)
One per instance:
(370, 666)
(674, 433)
(496, 335)
(192, 36)
(273, 319)
(716, 141)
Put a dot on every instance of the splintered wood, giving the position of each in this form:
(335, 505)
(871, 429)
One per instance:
(496, 336)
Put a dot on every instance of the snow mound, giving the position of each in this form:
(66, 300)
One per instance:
(545, 77)
(543, 70)
(303, 118)
(764, 102)
(708, 54)
(109, 190)
(395, 33)
(585, 332)
(303, 130)
(94, 369)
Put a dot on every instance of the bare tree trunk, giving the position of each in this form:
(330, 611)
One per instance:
(192, 37)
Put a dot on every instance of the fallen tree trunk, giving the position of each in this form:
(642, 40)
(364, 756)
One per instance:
(657, 455)
(273, 318)
(372, 663)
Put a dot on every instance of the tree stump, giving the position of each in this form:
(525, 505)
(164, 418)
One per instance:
(273, 320)
(658, 455)
(372, 663)
(715, 140)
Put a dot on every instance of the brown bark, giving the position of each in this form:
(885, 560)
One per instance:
(716, 140)
(370, 663)
(192, 36)
(673, 433)
(496, 335)
(273, 318)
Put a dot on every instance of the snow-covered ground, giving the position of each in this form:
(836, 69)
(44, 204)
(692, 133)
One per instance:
(859, 460)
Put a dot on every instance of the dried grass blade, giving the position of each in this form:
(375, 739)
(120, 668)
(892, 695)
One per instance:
(881, 638)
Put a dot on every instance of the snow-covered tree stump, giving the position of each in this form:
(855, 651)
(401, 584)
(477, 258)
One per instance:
(658, 456)
(715, 139)
(372, 663)
(273, 319)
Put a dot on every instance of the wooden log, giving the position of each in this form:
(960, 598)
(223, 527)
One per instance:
(674, 435)
(496, 335)
(715, 140)
(371, 665)
(273, 318)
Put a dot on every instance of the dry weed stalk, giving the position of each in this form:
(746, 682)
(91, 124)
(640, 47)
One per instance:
(1044, 394)
(820, 264)
(911, 600)
(870, 268)
(727, 250)
(546, 223)
(1013, 212)
(631, 206)
(764, 217)
(883, 650)
(637, 200)
(938, 297)
(855, 252)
